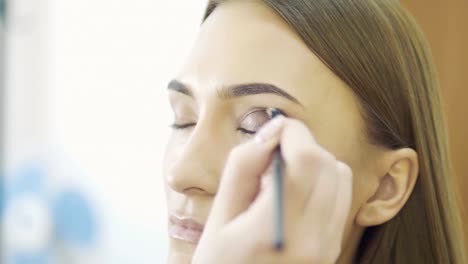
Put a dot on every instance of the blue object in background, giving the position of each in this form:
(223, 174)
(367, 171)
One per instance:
(74, 219)
(29, 179)
(39, 258)
(67, 211)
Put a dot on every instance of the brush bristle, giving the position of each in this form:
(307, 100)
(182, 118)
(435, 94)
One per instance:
(274, 112)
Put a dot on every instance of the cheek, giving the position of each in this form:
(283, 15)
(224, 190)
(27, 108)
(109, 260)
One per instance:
(364, 175)
(358, 199)
(352, 152)
(353, 232)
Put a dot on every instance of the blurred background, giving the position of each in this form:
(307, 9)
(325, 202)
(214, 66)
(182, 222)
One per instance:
(445, 24)
(84, 120)
(84, 124)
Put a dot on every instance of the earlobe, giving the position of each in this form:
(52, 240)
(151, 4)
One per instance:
(394, 187)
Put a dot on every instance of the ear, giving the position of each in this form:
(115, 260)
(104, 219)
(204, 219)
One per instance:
(399, 170)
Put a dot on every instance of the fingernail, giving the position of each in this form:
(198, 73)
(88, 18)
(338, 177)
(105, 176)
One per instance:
(269, 130)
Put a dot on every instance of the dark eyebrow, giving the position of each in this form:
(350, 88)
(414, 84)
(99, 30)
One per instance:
(240, 90)
(237, 90)
(177, 86)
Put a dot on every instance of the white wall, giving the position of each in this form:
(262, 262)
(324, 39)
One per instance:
(112, 60)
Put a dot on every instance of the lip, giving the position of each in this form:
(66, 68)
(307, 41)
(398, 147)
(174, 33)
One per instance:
(185, 228)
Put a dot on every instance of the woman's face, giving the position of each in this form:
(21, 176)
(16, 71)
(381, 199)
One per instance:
(245, 59)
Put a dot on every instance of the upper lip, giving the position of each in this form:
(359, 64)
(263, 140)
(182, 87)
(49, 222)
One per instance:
(187, 222)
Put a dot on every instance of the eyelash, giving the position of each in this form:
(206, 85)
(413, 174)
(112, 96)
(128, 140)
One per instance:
(245, 131)
(184, 126)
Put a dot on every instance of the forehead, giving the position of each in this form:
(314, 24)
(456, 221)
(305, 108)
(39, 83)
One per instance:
(245, 42)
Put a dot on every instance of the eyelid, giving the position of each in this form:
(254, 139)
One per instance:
(183, 114)
(254, 110)
(251, 126)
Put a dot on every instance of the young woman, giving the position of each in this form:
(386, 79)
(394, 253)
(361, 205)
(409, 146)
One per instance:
(367, 176)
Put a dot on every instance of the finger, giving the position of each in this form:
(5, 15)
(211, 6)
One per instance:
(304, 159)
(320, 205)
(335, 229)
(240, 181)
(257, 220)
(344, 197)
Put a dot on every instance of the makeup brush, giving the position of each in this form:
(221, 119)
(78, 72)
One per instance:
(277, 163)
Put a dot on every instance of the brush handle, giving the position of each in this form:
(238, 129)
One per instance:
(279, 204)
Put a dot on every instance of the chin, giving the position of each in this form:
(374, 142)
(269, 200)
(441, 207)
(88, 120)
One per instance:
(177, 258)
(180, 252)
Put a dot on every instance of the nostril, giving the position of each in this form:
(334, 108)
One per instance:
(189, 176)
(187, 185)
(195, 191)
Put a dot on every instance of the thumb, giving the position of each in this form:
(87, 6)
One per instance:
(241, 179)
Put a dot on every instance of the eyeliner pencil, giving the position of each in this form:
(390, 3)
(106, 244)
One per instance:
(278, 182)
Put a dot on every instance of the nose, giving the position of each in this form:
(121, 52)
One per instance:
(197, 167)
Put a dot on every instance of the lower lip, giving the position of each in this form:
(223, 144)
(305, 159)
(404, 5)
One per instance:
(184, 233)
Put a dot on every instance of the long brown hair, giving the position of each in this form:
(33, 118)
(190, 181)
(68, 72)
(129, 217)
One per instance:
(378, 50)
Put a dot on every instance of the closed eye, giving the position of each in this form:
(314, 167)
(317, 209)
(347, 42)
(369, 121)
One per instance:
(253, 121)
(245, 131)
(182, 126)
(250, 124)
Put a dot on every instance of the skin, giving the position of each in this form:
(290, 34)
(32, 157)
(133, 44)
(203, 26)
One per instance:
(245, 42)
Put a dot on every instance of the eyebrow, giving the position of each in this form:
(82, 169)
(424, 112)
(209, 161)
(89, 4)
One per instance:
(237, 90)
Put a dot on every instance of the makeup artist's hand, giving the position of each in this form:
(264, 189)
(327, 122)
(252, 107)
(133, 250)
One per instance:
(317, 200)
